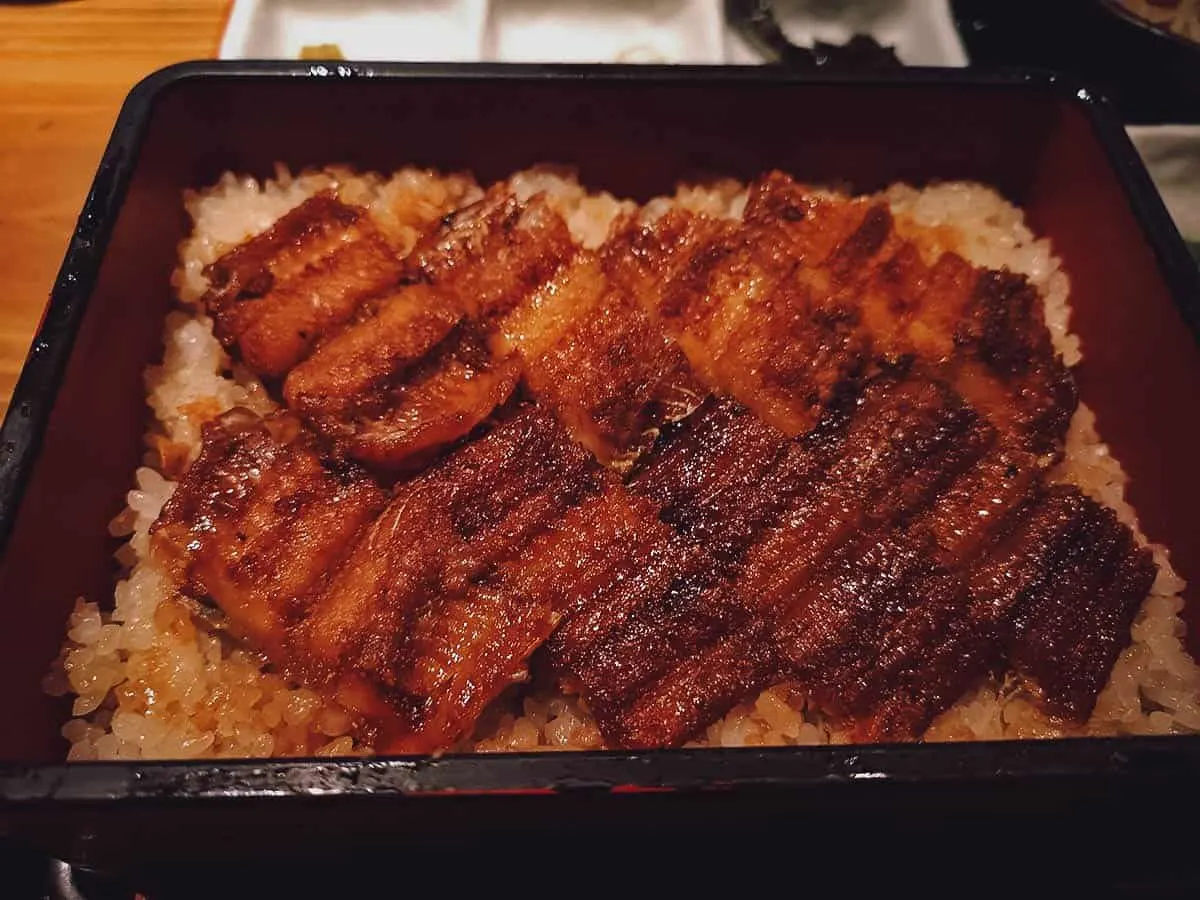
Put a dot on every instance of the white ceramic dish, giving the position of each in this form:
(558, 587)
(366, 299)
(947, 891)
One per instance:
(673, 31)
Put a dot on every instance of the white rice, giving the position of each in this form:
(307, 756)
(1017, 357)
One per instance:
(151, 681)
(588, 216)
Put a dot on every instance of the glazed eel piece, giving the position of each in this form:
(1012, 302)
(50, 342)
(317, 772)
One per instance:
(394, 360)
(385, 356)
(887, 562)
(413, 611)
(806, 291)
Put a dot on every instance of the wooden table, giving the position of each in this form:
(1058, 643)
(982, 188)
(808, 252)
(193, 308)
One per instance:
(64, 70)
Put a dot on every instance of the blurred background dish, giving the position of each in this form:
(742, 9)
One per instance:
(921, 33)
(645, 31)
(446, 30)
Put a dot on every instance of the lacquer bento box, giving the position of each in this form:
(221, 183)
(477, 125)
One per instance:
(429, 450)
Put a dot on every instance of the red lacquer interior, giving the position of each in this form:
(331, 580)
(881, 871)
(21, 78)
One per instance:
(1035, 144)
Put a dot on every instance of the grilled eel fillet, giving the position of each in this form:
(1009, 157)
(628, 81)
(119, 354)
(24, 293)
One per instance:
(887, 561)
(778, 309)
(400, 607)
(394, 360)
(385, 356)
(871, 523)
